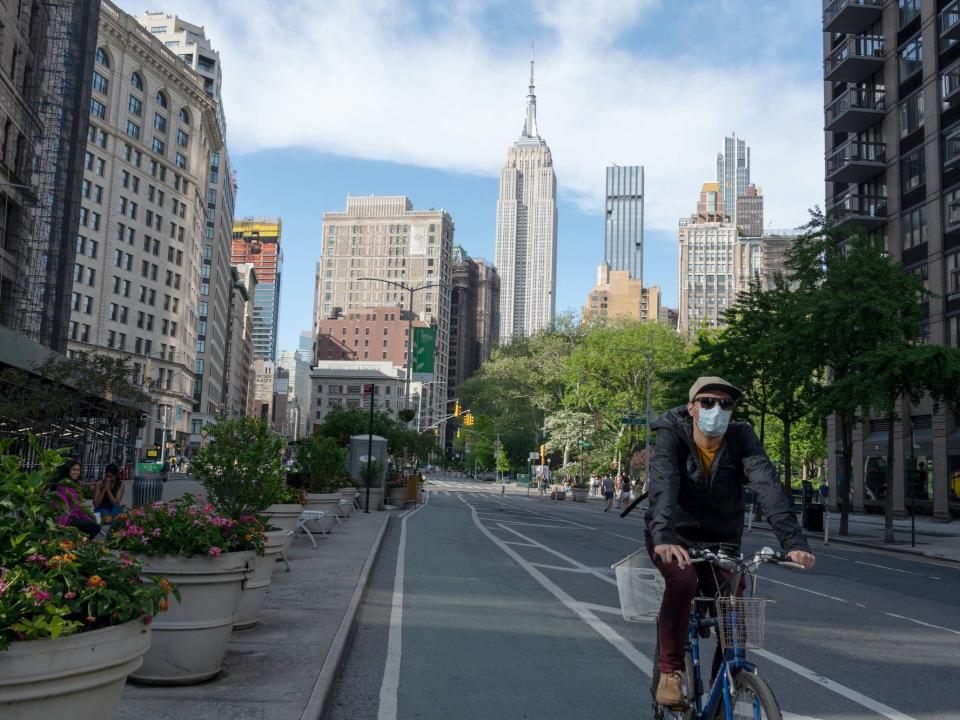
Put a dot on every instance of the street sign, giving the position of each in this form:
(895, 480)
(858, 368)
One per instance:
(424, 345)
(633, 421)
(586, 445)
(534, 456)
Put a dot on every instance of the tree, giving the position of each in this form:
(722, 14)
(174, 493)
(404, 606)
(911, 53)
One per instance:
(322, 460)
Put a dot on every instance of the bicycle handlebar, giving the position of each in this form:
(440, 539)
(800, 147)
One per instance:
(731, 562)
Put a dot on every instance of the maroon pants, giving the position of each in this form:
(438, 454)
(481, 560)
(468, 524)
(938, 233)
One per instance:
(681, 588)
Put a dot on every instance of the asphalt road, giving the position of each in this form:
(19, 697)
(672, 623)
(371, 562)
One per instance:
(508, 609)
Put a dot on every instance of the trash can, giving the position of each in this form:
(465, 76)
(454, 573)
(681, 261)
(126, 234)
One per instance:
(813, 518)
(147, 490)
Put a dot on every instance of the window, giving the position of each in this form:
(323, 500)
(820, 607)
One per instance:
(180, 160)
(913, 172)
(136, 81)
(158, 146)
(160, 122)
(911, 57)
(133, 130)
(100, 83)
(911, 114)
(953, 273)
(953, 331)
(102, 57)
(908, 10)
(182, 138)
(98, 109)
(161, 99)
(135, 106)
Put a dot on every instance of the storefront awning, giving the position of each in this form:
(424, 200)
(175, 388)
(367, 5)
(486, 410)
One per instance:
(875, 441)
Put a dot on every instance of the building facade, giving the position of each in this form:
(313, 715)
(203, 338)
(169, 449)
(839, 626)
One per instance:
(376, 333)
(239, 350)
(750, 212)
(473, 316)
(374, 250)
(189, 43)
(488, 308)
(623, 227)
(340, 384)
(892, 134)
(136, 284)
(47, 57)
(258, 241)
(618, 296)
(526, 242)
(733, 172)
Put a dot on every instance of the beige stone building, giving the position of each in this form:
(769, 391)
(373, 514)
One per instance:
(140, 244)
(616, 295)
(375, 249)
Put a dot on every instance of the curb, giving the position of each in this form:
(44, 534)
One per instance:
(874, 546)
(316, 706)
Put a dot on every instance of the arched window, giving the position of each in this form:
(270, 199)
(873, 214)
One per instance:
(184, 116)
(136, 81)
(161, 98)
(102, 57)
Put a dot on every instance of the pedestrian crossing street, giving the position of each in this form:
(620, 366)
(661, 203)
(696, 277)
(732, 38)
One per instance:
(451, 486)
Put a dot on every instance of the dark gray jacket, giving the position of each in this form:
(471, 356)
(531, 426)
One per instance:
(685, 507)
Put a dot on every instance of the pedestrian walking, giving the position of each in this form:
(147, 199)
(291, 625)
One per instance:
(607, 486)
(624, 491)
(594, 485)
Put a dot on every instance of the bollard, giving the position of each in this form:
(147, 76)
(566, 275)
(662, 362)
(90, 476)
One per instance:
(826, 524)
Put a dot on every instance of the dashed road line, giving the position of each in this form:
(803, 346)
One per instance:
(921, 622)
(806, 590)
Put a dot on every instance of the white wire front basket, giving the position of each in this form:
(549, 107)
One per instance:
(640, 585)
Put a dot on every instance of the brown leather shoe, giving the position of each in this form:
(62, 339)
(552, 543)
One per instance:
(669, 692)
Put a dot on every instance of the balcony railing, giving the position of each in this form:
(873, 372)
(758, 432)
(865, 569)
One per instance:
(951, 150)
(952, 214)
(950, 21)
(857, 57)
(856, 161)
(950, 84)
(851, 16)
(869, 211)
(855, 110)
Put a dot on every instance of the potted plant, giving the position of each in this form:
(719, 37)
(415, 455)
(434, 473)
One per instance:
(74, 619)
(207, 556)
(284, 514)
(241, 468)
(580, 489)
(322, 462)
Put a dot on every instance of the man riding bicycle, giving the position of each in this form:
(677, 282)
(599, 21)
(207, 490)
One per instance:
(697, 479)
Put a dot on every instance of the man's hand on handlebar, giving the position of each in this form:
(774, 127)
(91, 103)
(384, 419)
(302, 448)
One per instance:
(672, 553)
(802, 557)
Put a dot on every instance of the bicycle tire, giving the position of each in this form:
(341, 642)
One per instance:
(753, 686)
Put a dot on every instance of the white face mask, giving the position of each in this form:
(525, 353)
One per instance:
(713, 422)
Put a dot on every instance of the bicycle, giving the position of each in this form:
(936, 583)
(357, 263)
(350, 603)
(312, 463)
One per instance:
(737, 690)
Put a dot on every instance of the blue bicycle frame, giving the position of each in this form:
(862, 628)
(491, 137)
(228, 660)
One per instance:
(734, 659)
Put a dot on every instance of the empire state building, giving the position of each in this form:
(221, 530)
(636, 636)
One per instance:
(527, 232)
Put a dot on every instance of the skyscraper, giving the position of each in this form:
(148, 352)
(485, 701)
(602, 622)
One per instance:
(733, 172)
(623, 233)
(257, 241)
(527, 231)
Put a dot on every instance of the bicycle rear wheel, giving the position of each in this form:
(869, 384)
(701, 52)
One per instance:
(751, 699)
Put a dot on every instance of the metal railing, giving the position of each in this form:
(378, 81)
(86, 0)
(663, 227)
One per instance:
(855, 151)
(838, 6)
(855, 99)
(854, 205)
(863, 46)
(950, 19)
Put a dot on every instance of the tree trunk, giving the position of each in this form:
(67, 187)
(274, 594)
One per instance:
(566, 454)
(888, 500)
(846, 468)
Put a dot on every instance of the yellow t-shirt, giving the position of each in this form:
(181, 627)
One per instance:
(706, 457)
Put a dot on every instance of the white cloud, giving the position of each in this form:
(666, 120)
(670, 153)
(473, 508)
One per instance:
(443, 86)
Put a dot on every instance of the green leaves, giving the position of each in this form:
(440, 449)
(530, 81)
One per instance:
(323, 462)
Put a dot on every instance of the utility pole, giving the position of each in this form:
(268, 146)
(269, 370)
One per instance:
(371, 389)
(646, 432)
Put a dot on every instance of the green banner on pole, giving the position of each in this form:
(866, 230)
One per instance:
(424, 345)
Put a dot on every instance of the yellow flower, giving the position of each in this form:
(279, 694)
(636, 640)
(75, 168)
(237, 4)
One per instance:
(248, 537)
(66, 545)
(95, 581)
(164, 605)
(164, 585)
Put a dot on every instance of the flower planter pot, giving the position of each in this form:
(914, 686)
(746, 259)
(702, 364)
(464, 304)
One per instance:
(79, 676)
(580, 494)
(258, 581)
(376, 498)
(323, 525)
(328, 502)
(189, 640)
(285, 516)
(396, 497)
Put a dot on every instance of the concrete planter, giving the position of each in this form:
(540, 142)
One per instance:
(347, 494)
(285, 516)
(79, 676)
(376, 499)
(580, 494)
(257, 581)
(330, 504)
(189, 640)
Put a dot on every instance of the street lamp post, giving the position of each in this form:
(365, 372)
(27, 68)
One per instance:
(410, 289)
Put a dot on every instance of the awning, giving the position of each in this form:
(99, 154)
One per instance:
(875, 441)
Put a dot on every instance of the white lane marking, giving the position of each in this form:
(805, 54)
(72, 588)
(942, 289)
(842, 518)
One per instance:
(570, 560)
(793, 716)
(862, 606)
(934, 577)
(552, 517)
(886, 567)
(518, 543)
(921, 622)
(602, 608)
(807, 590)
(641, 661)
(625, 537)
(528, 524)
(842, 690)
(391, 671)
(560, 567)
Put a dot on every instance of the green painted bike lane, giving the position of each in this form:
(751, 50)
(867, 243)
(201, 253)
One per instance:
(483, 639)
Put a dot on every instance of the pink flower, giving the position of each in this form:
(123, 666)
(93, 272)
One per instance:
(214, 551)
(37, 594)
(156, 532)
(69, 595)
(143, 541)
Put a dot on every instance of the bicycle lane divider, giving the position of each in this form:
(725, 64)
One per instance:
(641, 661)
(391, 671)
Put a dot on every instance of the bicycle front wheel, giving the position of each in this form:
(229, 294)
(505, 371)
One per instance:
(751, 699)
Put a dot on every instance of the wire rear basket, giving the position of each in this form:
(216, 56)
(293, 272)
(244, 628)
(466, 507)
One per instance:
(740, 621)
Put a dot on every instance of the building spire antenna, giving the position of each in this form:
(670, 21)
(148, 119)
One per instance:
(530, 125)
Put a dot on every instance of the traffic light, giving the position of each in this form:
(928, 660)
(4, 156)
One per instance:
(543, 454)
(458, 433)
(468, 419)
(456, 408)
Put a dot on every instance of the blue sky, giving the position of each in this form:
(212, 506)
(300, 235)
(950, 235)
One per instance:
(325, 99)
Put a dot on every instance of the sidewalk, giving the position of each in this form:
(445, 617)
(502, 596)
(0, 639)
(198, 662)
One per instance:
(284, 667)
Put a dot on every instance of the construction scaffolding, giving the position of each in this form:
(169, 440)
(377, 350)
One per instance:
(62, 38)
